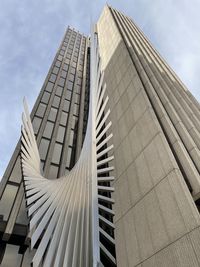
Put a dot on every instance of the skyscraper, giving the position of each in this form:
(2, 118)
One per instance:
(156, 138)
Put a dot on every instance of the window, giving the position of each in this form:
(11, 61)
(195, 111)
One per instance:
(69, 152)
(64, 74)
(53, 172)
(65, 67)
(77, 98)
(45, 97)
(74, 122)
(49, 87)
(52, 114)
(59, 90)
(41, 110)
(56, 101)
(76, 109)
(62, 52)
(60, 57)
(16, 174)
(63, 119)
(73, 70)
(48, 129)
(71, 77)
(58, 63)
(57, 153)
(61, 82)
(67, 61)
(55, 70)
(78, 89)
(61, 133)
(36, 124)
(75, 59)
(68, 95)
(66, 105)
(79, 81)
(71, 138)
(7, 200)
(43, 148)
(52, 78)
(69, 85)
(68, 56)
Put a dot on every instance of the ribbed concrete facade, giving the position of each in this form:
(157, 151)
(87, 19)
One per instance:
(156, 126)
(156, 137)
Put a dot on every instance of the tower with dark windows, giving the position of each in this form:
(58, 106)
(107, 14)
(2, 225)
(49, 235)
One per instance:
(106, 172)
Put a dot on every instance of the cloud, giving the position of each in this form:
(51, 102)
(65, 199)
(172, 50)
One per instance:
(32, 30)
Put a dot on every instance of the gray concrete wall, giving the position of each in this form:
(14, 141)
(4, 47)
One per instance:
(156, 137)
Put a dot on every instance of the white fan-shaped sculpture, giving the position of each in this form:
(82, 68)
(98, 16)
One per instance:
(64, 213)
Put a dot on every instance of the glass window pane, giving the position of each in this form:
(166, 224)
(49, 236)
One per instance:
(65, 67)
(56, 101)
(52, 114)
(36, 124)
(63, 119)
(71, 77)
(73, 70)
(7, 200)
(67, 61)
(77, 98)
(56, 153)
(62, 52)
(45, 97)
(41, 110)
(66, 105)
(60, 134)
(61, 82)
(69, 152)
(58, 63)
(48, 129)
(59, 90)
(68, 95)
(71, 138)
(55, 70)
(11, 256)
(69, 85)
(16, 174)
(60, 57)
(76, 109)
(49, 87)
(79, 81)
(78, 89)
(52, 78)
(53, 172)
(43, 147)
(22, 214)
(74, 122)
(64, 74)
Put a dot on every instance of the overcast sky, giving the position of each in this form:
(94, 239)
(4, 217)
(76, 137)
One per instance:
(31, 31)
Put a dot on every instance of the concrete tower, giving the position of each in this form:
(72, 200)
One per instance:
(155, 124)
